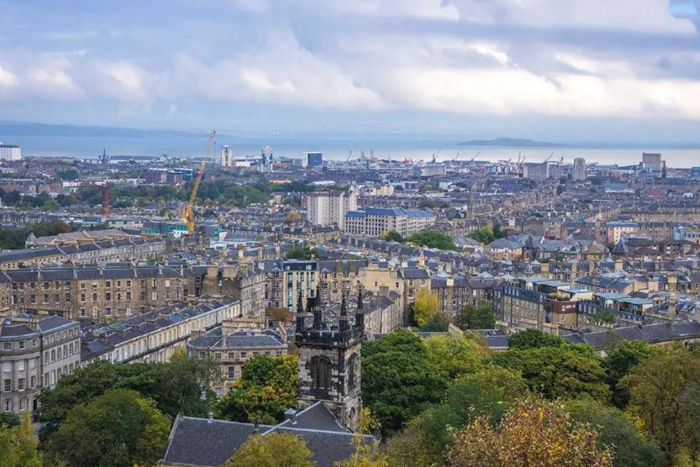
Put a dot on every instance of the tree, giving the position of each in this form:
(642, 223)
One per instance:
(436, 323)
(484, 235)
(619, 361)
(176, 387)
(534, 338)
(455, 355)
(536, 433)
(616, 433)
(118, 429)
(398, 379)
(658, 394)
(476, 317)
(425, 305)
(268, 387)
(69, 174)
(393, 237)
(558, 372)
(272, 450)
(18, 448)
(433, 239)
(9, 420)
(301, 253)
(51, 206)
(413, 447)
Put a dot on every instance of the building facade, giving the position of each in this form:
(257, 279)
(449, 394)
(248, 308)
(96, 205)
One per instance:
(35, 355)
(374, 222)
(579, 169)
(330, 208)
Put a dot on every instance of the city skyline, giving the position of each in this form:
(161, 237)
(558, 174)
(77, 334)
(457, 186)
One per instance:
(538, 70)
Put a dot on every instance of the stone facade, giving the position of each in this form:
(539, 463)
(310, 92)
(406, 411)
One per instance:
(34, 355)
(329, 363)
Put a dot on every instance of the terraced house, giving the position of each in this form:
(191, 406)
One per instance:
(96, 293)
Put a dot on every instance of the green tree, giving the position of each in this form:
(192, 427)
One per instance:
(69, 174)
(9, 420)
(534, 338)
(659, 387)
(177, 387)
(536, 433)
(558, 372)
(413, 447)
(393, 237)
(273, 450)
(118, 429)
(436, 323)
(268, 387)
(425, 306)
(433, 239)
(302, 253)
(454, 354)
(617, 364)
(51, 206)
(617, 433)
(484, 235)
(398, 379)
(476, 317)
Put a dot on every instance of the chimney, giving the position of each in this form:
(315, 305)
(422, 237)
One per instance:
(291, 415)
(211, 418)
(618, 265)
(672, 314)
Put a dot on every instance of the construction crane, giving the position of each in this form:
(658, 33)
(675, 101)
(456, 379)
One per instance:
(187, 213)
(550, 156)
(349, 156)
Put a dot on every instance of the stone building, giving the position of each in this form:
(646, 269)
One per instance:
(329, 361)
(156, 335)
(97, 293)
(233, 343)
(34, 355)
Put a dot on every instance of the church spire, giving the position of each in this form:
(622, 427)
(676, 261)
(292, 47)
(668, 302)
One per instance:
(360, 315)
(300, 313)
(318, 309)
(343, 320)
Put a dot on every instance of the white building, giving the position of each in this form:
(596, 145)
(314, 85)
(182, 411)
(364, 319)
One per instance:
(227, 159)
(329, 207)
(377, 221)
(10, 152)
(579, 169)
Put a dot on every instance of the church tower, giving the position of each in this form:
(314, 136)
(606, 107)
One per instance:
(329, 360)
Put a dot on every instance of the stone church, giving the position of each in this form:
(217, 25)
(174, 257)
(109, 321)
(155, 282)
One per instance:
(329, 360)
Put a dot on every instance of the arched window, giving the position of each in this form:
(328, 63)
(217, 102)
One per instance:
(352, 371)
(320, 373)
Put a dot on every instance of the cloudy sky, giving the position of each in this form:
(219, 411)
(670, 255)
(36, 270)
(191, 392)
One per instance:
(548, 69)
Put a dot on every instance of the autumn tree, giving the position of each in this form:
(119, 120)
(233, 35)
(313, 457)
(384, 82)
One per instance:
(268, 387)
(18, 447)
(662, 392)
(425, 306)
(272, 450)
(536, 433)
(118, 429)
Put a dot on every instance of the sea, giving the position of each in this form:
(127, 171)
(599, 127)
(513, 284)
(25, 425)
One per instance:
(336, 148)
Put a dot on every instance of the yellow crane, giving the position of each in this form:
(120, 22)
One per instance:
(187, 213)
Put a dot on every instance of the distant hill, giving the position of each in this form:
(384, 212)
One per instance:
(511, 142)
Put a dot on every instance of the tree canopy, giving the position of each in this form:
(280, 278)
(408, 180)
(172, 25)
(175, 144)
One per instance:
(476, 317)
(433, 239)
(534, 338)
(117, 429)
(425, 306)
(272, 450)
(266, 389)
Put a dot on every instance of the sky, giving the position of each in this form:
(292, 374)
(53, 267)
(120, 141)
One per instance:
(574, 70)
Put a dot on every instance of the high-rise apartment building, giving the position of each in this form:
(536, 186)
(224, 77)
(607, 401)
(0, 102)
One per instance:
(330, 207)
(227, 159)
(579, 169)
(314, 159)
(10, 152)
(651, 162)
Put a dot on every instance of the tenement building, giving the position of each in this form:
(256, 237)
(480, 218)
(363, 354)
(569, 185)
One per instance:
(34, 355)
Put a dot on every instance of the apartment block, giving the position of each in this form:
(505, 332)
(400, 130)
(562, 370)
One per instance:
(377, 221)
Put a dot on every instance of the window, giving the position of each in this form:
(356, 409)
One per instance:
(108, 296)
(352, 371)
(23, 404)
(231, 356)
(32, 382)
(320, 373)
(108, 284)
(7, 346)
(244, 355)
(22, 344)
(7, 367)
(231, 373)
(20, 384)
(7, 385)
(217, 355)
(7, 405)
(21, 365)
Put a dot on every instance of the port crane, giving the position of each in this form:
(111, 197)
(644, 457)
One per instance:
(187, 213)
